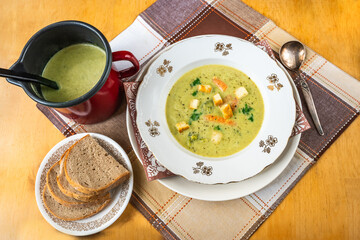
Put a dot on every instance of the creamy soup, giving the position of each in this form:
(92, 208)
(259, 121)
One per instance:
(214, 110)
(76, 69)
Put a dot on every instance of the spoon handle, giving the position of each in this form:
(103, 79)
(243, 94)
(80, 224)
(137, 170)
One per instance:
(27, 77)
(310, 104)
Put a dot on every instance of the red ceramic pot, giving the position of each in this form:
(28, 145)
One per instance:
(103, 99)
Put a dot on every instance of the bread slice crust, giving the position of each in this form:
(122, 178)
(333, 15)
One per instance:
(51, 204)
(88, 190)
(57, 194)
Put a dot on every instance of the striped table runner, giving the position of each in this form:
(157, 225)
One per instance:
(337, 97)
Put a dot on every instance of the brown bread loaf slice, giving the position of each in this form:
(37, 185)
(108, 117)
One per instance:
(54, 189)
(71, 213)
(68, 190)
(57, 194)
(90, 168)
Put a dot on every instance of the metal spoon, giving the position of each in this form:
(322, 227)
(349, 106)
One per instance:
(27, 77)
(292, 54)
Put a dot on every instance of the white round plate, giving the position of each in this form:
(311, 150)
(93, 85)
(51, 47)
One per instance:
(120, 196)
(223, 192)
(276, 90)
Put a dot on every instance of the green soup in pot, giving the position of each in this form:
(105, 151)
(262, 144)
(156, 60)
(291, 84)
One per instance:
(209, 132)
(76, 69)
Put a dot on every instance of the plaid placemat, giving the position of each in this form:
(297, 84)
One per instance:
(336, 94)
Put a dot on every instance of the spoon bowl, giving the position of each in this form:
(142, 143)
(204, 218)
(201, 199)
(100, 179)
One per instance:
(292, 55)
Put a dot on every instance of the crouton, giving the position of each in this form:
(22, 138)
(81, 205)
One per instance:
(194, 103)
(204, 88)
(216, 137)
(226, 111)
(217, 99)
(240, 92)
(182, 126)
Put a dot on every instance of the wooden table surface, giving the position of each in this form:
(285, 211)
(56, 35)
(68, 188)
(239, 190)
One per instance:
(325, 204)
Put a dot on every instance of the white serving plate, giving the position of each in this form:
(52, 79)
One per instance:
(223, 192)
(171, 64)
(120, 196)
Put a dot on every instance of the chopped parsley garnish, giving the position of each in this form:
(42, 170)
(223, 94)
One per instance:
(251, 118)
(195, 82)
(194, 116)
(246, 110)
(217, 128)
(194, 93)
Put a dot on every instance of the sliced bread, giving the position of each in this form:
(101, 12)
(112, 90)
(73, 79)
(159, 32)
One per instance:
(90, 169)
(68, 190)
(71, 213)
(54, 189)
(57, 194)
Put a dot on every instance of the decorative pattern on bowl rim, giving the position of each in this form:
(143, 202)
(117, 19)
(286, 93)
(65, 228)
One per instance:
(224, 48)
(274, 82)
(153, 130)
(162, 69)
(268, 143)
(205, 170)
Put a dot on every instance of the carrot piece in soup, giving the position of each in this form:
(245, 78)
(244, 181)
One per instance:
(218, 119)
(220, 84)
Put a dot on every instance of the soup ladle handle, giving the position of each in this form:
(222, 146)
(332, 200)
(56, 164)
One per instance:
(27, 77)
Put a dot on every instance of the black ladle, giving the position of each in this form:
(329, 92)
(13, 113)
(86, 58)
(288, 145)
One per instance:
(28, 77)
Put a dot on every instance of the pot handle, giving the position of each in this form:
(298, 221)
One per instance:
(125, 55)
